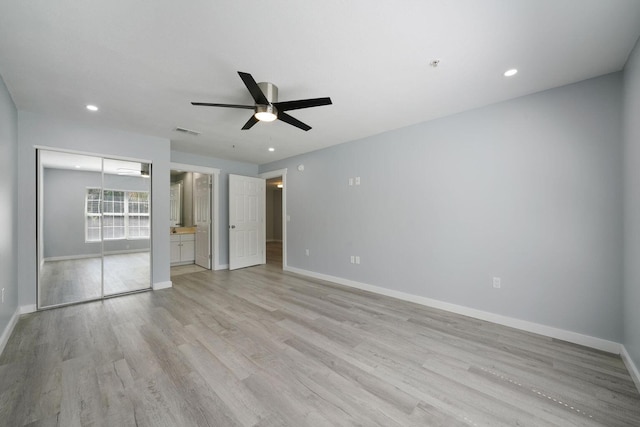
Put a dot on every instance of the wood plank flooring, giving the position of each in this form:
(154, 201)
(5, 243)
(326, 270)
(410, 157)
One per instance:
(178, 270)
(262, 347)
(78, 280)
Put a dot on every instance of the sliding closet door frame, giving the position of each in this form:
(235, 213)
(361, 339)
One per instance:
(39, 225)
(40, 221)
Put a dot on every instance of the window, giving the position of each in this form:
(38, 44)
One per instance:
(92, 209)
(138, 221)
(125, 215)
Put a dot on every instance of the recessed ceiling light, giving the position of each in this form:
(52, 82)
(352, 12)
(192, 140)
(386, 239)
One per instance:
(77, 166)
(511, 72)
(92, 107)
(272, 149)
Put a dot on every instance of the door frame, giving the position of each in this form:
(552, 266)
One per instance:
(215, 206)
(275, 174)
(40, 223)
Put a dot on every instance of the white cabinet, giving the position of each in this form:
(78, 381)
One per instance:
(183, 249)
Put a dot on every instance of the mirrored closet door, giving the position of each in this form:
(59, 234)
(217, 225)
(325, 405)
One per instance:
(94, 227)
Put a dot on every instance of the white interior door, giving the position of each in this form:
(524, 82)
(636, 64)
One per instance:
(246, 221)
(202, 219)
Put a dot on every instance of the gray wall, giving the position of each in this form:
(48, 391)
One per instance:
(226, 167)
(8, 206)
(528, 190)
(632, 205)
(39, 130)
(63, 213)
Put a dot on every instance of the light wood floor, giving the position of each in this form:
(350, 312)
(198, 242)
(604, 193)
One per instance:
(178, 270)
(261, 347)
(77, 280)
(274, 254)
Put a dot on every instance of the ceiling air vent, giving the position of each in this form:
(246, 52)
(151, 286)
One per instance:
(189, 131)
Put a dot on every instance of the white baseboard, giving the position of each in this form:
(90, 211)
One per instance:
(4, 338)
(222, 267)
(127, 251)
(71, 257)
(162, 285)
(175, 264)
(561, 334)
(84, 256)
(631, 367)
(26, 309)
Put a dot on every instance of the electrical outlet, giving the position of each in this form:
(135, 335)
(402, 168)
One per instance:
(350, 182)
(357, 259)
(496, 282)
(353, 259)
(357, 180)
(306, 252)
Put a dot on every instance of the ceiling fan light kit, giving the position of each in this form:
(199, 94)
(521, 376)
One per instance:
(267, 108)
(266, 113)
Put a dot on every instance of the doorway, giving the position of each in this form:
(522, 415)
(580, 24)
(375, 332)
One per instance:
(273, 219)
(94, 227)
(276, 217)
(193, 219)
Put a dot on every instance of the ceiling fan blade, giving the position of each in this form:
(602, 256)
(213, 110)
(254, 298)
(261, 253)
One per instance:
(293, 121)
(254, 89)
(302, 103)
(208, 104)
(252, 121)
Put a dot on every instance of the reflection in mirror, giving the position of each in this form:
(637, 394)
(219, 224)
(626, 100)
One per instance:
(79, 220)
(126, 226)
(70, 265)
(175, 204)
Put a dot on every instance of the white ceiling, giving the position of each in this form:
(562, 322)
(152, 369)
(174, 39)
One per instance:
(143, 62)
(80, 162)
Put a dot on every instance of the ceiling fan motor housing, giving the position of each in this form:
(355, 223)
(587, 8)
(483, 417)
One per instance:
(270, 91)
(267, 113)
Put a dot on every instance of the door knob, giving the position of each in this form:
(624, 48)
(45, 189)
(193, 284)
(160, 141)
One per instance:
(233, 226)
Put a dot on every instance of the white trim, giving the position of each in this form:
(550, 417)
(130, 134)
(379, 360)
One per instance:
(215, 204)
(127, 251)
(26, 309)
(6, 334)
(194, 168)
(71, 257)
(283, 174)
(162, 285)
(561, 334)
(222, 267)
(631, 367)
(174, 264)
(85, 256)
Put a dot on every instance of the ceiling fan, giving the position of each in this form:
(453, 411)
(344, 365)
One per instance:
(267, 108)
